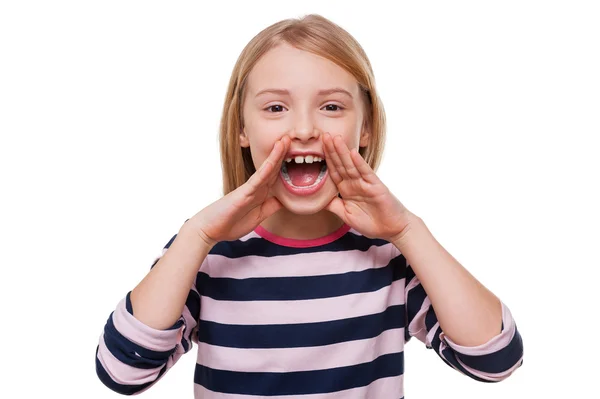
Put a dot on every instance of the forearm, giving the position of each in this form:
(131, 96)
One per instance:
(468, 313)
(158, 300)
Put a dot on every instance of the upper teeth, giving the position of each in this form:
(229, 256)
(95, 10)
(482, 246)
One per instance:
(307, 159)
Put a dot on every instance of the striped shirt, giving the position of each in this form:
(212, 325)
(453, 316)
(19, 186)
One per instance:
(279, 318)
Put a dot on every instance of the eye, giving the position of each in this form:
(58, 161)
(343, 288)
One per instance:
(335, 107)
(275, 108)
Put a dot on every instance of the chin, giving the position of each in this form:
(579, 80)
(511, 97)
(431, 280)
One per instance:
(305, 205)
(304, 208)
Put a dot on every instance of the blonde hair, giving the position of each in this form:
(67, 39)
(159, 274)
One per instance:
(317, 35)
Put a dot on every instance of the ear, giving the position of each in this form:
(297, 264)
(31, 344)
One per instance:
(244, 139)
(364, 136)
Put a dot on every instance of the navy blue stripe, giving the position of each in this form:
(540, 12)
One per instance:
(168, 244)
(430, 318)
(261, 247)
(410, 273)
(450, 358)
(193, 304)
(125, 350)
(300, 382)
(184, 341)
(120, 388)
(301, 335)
(499, 361)
(414, 301)
(298, 288)
(128, 305)
(155, 262)
(450, 354)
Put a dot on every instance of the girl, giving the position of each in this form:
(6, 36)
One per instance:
(309, 275)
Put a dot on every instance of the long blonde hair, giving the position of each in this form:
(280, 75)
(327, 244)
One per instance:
(317, 35)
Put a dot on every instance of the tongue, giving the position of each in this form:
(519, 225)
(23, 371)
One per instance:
(303, 174)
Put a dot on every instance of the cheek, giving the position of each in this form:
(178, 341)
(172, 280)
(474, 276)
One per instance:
(261, 142)
(261, 130)
(343, 126)
(351, 135)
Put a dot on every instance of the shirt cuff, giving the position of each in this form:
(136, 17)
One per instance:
(143, 335)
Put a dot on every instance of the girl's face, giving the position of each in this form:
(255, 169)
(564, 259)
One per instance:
(300, 94)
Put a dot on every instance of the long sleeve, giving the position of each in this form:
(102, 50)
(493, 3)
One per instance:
(490, 362)
(132, 356)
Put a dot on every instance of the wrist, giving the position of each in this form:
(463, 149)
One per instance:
(408, 232)
(196, 239)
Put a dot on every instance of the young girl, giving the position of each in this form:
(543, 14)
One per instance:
(308, 276)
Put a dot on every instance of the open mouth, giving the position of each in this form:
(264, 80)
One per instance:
(303, 174)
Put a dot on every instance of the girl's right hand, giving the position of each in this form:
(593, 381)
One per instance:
(239, 212)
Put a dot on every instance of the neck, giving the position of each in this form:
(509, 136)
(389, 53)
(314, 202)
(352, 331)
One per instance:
(286, 224)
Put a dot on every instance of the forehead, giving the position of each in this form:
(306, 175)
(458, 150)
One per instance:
(287, 67)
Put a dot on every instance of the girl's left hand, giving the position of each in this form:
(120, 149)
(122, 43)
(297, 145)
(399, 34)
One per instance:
(367, 205)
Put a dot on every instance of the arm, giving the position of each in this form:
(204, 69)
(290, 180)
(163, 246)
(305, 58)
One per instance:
(139, 345)
(159, 298)
(470, 329)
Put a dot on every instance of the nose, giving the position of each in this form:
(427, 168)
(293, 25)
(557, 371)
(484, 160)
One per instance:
(304, 128)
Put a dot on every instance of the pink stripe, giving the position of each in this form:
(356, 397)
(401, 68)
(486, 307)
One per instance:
(302, 311)
(413, 283)
(120, 372)
(391, 387)
(301, 359)
(495, 343)
(190, 324)
(290, 242)
(306, 264)
(141, 334)
(441, 352)
(417, 326)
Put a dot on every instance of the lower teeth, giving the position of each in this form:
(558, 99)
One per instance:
(319, 178)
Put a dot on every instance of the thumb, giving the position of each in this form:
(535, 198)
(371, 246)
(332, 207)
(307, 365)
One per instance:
(336, 206)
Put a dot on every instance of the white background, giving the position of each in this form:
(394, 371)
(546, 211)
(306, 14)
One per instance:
(109, 114)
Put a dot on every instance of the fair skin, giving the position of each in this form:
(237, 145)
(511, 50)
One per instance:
(304, 115)
(467, 311)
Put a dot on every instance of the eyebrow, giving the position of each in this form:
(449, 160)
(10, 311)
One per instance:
(320, 93)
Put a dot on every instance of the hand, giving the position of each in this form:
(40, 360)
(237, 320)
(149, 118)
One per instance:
(239, 212)
(367, 205)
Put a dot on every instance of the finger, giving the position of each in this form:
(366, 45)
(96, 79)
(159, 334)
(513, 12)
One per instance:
(260, 176)
(263, 173)
(269, 167)
(344, 154)
(363, 167)
(276, 156)
(279, 161)
(330, 160)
